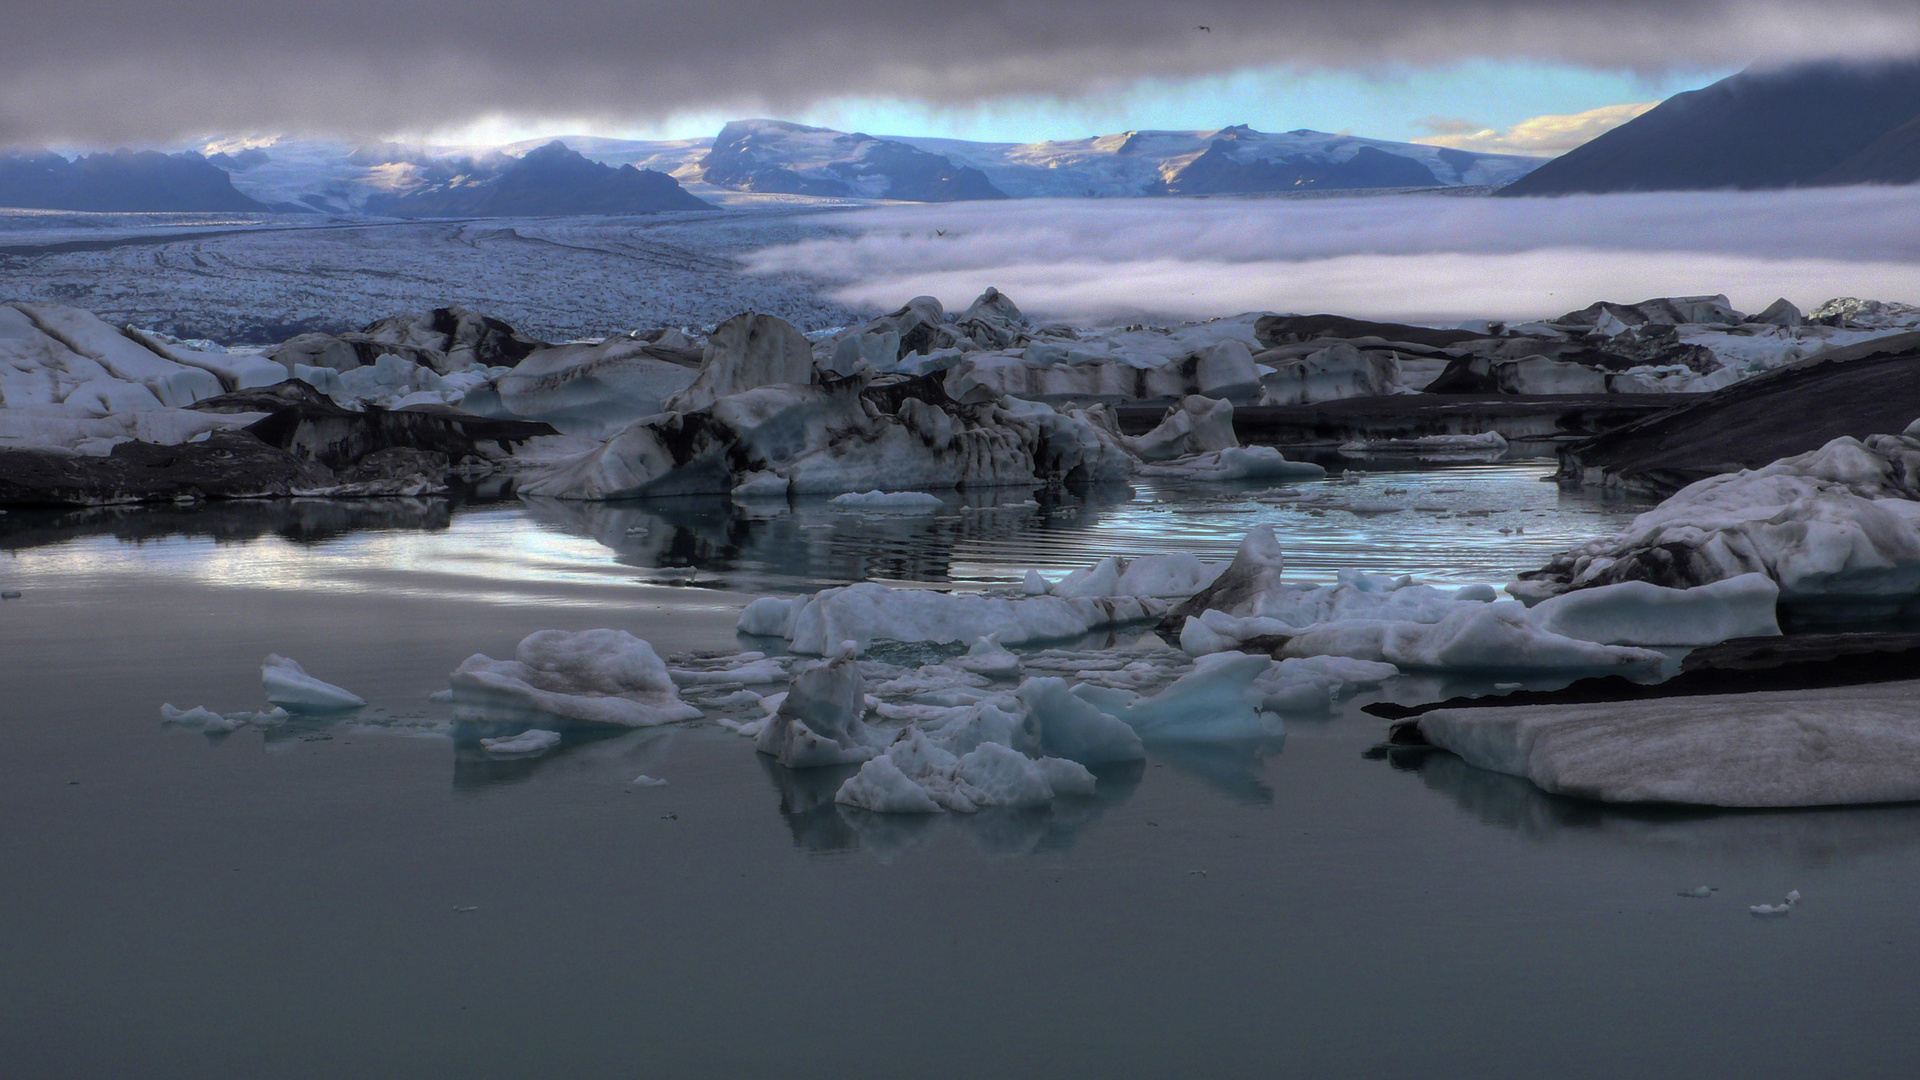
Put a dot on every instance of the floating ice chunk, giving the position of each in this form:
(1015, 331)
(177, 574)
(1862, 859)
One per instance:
(1099, 579)
(1194, 426)
(988, 657)
(762, 485)
(1310, 686)
(1485, 444)
(1254, 571)
(592, 677)
(1782, 908)
(1847, 745)
(289, 686)
(1216, 700)
(1699, 892)
(10, 594)
(881, 787)
(527, 743)
(1066, 777)
(871, 612)
(1239, 463)
(643, 780)
(889, 502)
(819, 720)
(1840, 524)
(1177, 574)
(1474, 637)
(1035, 585)
(1639, 613)
(1070, 728)
(440, 697)
(757, 670)
(915, 776)
(194, 717)
(992, 774)
(772, 616)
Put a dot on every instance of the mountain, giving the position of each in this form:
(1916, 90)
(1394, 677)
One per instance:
(1802, 126)
(1228, 161)
(754, 161)
(777, 157)
(124, 181)
(549, 180)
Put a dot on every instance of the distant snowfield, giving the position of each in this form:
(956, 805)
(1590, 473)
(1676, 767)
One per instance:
(1417, 258)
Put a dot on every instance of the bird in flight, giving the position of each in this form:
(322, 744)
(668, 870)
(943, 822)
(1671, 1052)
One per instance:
(1208, 29)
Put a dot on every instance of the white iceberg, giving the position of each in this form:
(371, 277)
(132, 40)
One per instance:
(290, 687)
(871, 612)
(604, 677)
(821, 718)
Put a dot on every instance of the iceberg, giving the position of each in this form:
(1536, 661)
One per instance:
(820, 720)
(289, 686)
(869, 612)
(917, 776)
(1829, 747)
(602, 677)
(1835, 526)
(889, 502)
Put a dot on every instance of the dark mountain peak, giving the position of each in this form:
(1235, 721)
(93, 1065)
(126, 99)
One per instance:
(119, 181)
(1774, 127)
(548, 180)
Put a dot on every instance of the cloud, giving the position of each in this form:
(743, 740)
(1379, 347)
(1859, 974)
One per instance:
(106, 71)
(1422, 259)
(1542, 136)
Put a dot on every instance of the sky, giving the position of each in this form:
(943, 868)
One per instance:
(1472, 72)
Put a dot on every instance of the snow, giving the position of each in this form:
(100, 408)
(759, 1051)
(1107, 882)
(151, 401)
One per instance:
(643, 780)
(889, 502)
(1836, 525)
(527, 743)
(1850, 745)
(604, 677)
(289, 686)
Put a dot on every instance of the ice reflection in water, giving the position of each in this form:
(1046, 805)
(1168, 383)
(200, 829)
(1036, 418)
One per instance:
(821, 825)
(1803, 839)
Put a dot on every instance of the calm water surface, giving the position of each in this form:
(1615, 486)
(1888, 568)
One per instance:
(287, 903)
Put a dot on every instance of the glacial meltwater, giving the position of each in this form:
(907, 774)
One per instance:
(375, 894)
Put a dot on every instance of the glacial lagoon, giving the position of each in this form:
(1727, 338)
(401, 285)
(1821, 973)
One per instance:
(1292, 906)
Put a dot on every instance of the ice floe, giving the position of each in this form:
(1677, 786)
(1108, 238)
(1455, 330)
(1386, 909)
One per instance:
(888, 502)
(1854, 744)
(869, 612)
(289, 686)
(605, 677)
(1839, 525)
(526, 744)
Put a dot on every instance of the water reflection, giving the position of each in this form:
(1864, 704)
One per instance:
(1804, 839)
(608, 755)
(821, 825)
(303, 521)
(1232, 768)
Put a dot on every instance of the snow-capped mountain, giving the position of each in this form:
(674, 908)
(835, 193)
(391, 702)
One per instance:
(1232, 160)
(122, 181)
(759, 160)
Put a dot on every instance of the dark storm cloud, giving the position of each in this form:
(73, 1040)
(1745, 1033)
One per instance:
(118, 70)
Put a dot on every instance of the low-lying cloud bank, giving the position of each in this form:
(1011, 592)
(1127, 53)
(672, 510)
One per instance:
(105, 71)
(1417, 258)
